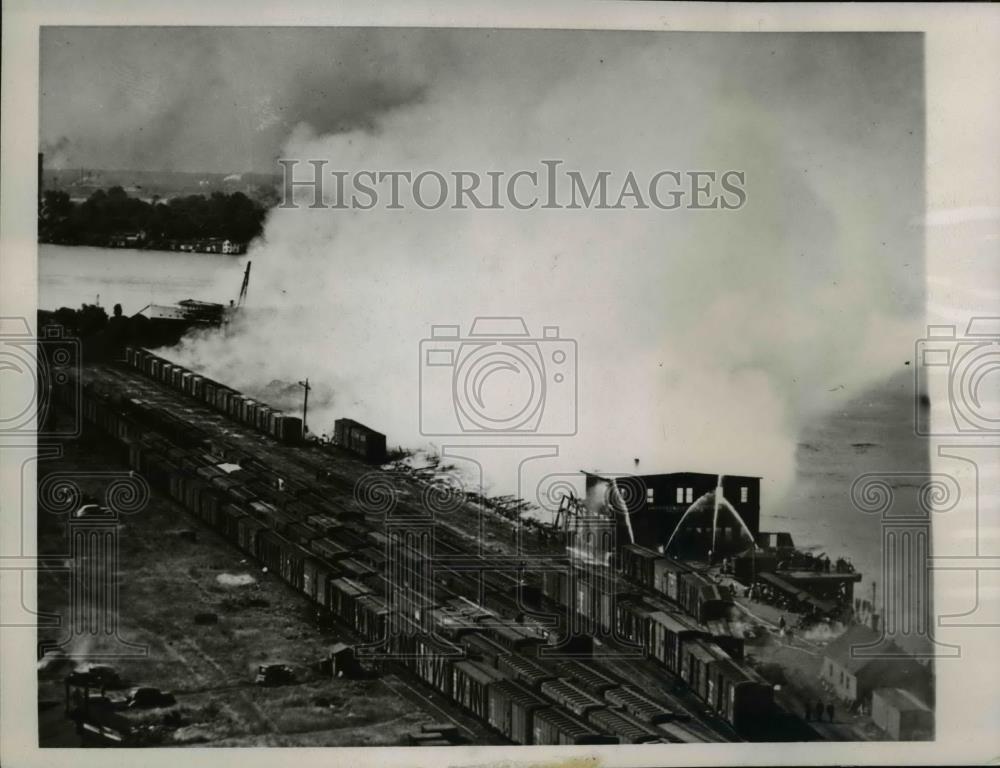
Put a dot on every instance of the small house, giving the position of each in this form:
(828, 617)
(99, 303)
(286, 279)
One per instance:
(902, 715)
(854, 676)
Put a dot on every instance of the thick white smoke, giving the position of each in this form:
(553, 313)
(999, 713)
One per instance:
(704, 337)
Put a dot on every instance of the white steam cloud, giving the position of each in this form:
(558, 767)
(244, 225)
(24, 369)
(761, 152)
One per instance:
(705, 338)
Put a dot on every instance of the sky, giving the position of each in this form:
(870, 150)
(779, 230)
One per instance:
(706, 338)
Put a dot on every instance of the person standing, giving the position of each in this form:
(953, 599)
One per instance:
(829, 712)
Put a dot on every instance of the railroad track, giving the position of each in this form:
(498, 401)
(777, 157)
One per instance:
(333, 476)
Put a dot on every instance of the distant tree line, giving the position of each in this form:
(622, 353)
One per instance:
(110, 214)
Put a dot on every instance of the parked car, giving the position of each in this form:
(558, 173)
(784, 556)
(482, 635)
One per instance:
(96, 676)
(145, 697)
(274, 674)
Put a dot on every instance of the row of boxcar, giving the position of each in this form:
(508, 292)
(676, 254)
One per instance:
(710, 664)
(681, 623)
(523, 699)
(696, 594)
(488, 664)
(259, 416)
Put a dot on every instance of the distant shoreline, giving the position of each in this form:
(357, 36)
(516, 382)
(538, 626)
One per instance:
(159, 247)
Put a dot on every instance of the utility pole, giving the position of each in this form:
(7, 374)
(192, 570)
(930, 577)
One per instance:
(305, 403)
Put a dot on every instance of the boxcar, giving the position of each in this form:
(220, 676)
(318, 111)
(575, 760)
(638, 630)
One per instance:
(315, 573)
(633, 623)
(696, 655)
(249, 528)
(555, 586)
(342, 598)
(524, 670)
(373, 617)
(288, 429)
(554, 725)
(433, 660)
(512, 708)
(669, 633)
(459, 616)
(303, 533)
(329, 549)
(232, 515)
(575, 699)
(471, 681)
(701, 598)
(628, 731)
(639, 705)
(666, 572)
(360, 440)
(738, 693)
(261, 421)
(480, 648)
(513, 637)
(588, 678)
(637, 564)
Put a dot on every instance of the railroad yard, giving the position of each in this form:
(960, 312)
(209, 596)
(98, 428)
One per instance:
(213, 594)
(166, 580)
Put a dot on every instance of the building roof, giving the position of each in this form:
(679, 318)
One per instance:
(901, 700)
(162, 312)
(840, 649)
(660, 475)
(339, 648)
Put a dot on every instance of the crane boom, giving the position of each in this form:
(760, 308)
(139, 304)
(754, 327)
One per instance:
(243, 288)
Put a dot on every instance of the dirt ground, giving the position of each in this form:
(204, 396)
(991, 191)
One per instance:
(164, 580)
(794, 663)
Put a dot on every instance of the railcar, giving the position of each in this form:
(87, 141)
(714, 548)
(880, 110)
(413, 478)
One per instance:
(471, 681)
(554, 725)
(512, 708)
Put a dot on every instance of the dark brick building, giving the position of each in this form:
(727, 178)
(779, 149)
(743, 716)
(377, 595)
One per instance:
(656, 504)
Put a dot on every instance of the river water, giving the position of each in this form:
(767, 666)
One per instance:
(71, 275)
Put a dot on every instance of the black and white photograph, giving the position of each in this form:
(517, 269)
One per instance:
(496, 386)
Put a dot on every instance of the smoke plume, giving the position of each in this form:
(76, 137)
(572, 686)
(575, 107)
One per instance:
(705, 338)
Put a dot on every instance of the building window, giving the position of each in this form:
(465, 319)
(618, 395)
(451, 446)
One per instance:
(744, 494)
(680, 495)
(689, 495)
(649, 495)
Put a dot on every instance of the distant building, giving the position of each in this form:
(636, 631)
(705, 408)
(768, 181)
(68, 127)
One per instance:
(853, 678)
(656, 504)
(188, 311)
(127, 240)
(902, 715)
(162, 312)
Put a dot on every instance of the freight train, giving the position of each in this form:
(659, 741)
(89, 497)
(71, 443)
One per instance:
(348, 434)
(246, 410)
(331, 554)
(688, 632)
